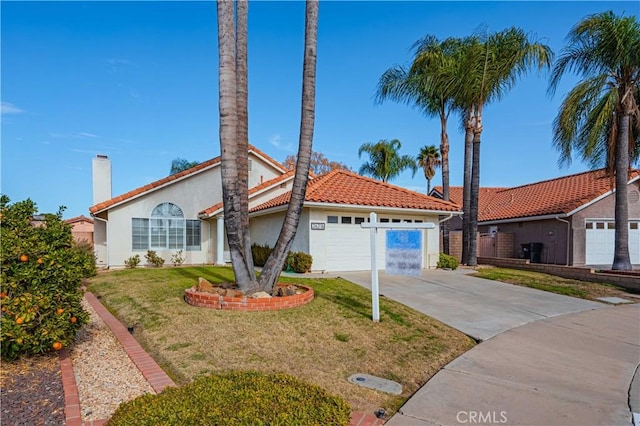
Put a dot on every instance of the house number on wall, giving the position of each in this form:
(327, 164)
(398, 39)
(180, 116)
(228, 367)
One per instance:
(317, 226)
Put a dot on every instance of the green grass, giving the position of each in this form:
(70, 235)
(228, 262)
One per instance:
(550, 283)
(323, 342)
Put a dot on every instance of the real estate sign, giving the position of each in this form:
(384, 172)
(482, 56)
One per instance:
(404, 252)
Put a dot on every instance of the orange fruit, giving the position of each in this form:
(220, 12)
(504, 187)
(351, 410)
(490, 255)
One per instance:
(19, 320)
(40, 261)
(3, 295)
(4, 309)
(73, 320)
(57, 346)
(59, 311)
(24, 258)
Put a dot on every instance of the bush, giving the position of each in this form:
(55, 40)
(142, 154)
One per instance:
(132, 262)
(448, 262)
(85, 256)
(41, 273)
(153, 259)
(177, 258)
(237, 398)
(299, 262)
(260, 254)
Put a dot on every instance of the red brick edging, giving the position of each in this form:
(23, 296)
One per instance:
(147, 366)
(215, 301)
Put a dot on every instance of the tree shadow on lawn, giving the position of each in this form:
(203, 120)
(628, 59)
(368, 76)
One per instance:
(208, 273)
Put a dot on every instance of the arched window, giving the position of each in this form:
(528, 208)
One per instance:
(166, 229)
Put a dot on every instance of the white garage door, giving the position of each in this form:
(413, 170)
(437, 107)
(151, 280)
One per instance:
(600, 242)
(349, 248)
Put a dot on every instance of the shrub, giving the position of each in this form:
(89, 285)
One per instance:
(153, 259)
(177, 258)
(299, 262)
(237, 398)
(132, 262)
(447, 261)
(260, 254)
(41, 273)
(85, 256)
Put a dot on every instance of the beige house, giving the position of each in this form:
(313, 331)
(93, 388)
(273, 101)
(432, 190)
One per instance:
(184, 212)
(81, 228)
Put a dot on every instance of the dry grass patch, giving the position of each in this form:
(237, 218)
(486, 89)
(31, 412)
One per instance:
(551, 283)
(322, 342)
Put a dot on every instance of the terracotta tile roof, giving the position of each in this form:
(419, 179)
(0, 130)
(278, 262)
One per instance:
(211, 210)
(79, 219)
(342, 187)
(204, 165)
(550, 197)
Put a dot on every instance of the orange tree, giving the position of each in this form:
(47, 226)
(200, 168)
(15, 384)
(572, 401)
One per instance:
(41, 273)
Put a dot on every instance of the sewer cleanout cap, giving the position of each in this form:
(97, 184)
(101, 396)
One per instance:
(376, 383)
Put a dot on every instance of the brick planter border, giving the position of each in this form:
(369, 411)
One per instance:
(215, 301)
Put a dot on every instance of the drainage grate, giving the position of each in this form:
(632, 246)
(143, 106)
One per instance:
(376, 383)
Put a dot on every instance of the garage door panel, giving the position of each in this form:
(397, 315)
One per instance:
(349, 248)
(600, 242)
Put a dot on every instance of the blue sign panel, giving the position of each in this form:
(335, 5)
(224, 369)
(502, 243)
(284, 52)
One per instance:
(404, 252)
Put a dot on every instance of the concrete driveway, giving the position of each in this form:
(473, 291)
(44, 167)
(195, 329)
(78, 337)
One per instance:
(549, 360)
(477, 307)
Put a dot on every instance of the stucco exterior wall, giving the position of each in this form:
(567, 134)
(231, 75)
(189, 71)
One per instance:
(266, 228)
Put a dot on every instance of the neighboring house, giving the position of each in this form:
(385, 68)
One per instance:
(571, 216)
(81, 228)
(184, 212)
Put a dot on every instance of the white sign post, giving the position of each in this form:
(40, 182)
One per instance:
(374, 226)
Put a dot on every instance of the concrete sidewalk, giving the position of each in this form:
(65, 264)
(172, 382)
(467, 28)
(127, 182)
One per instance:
(478, 307)
(573, 369)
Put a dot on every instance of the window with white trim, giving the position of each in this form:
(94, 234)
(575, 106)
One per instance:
(166, 229)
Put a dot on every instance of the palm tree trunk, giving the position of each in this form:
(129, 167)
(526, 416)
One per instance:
(444, 152)
(242, 139)
(621, 259)
(466, 189)
(273, 266)
(428, 185)
(475, 192)
(229, 151)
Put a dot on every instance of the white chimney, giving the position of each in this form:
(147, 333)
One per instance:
(101, 179)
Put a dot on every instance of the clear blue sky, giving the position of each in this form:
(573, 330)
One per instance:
(138, 81)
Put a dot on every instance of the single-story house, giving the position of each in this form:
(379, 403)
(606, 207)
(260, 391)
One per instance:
(81, 228)
(184, 212)
(571, 216)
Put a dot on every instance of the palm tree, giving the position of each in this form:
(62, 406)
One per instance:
(432, 58)
(273, 266)
(429, 160)
(490, 67)
(232, 49)
(600, 117)
(385, 162)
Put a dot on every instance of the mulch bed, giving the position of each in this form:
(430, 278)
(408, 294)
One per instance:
(32, 392)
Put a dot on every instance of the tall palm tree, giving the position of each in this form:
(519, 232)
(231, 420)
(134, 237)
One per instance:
(432, 57)
(491, 65)
(273, 266)
(429, 160)
(232, 78)
(385, 162)
(600, 117)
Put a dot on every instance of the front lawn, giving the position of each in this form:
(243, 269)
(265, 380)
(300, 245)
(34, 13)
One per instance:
(551, 283)
(323, 342)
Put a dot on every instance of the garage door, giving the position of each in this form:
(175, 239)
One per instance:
(349, 248)
(600, 242)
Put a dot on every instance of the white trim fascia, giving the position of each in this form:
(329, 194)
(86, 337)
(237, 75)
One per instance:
(149, 191)
(523, 219)
(354, 207)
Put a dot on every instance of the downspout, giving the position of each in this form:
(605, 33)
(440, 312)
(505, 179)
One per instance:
(446, 218)
(106, 224)
(568, 236)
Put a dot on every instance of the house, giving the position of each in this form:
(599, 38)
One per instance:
(571, 216)
(81, 228)
(184, 212)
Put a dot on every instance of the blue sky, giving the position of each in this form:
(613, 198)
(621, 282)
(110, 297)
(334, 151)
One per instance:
(137, 81)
